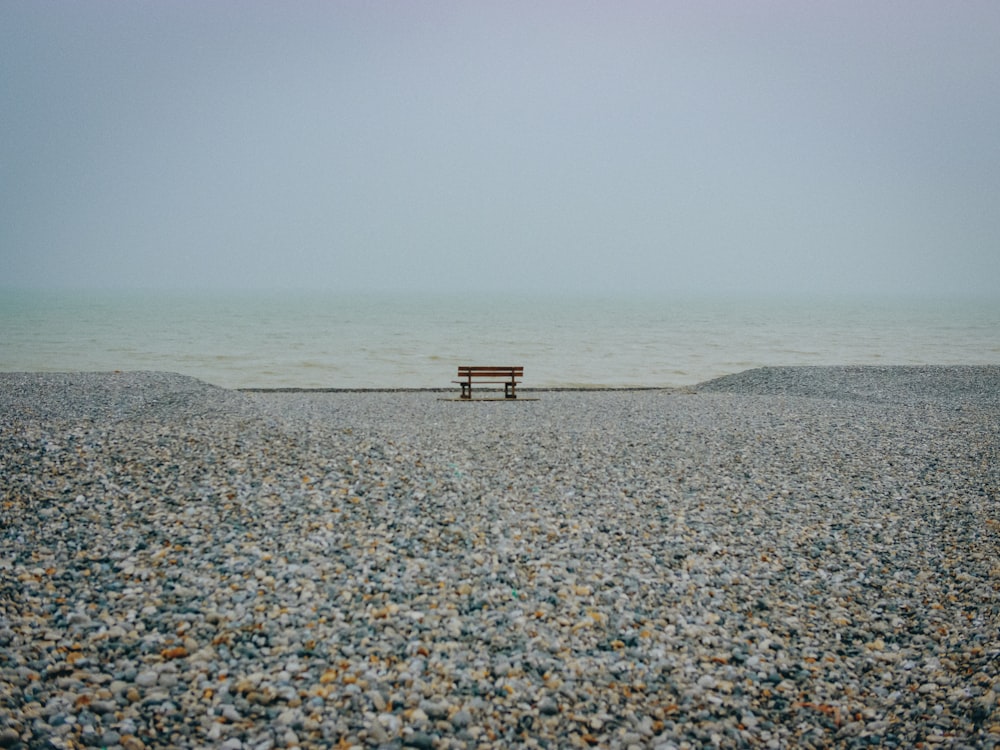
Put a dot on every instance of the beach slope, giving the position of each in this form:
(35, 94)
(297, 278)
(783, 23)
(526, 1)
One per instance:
(785, 557)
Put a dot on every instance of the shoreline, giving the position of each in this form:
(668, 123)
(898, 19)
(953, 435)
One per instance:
(453, 389)
(784, 556)
(759, 380)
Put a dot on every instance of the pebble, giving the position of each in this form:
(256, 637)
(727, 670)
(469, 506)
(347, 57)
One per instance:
(782, 557)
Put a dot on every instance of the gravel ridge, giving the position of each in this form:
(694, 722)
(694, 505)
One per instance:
(964, 384)
(786, 557)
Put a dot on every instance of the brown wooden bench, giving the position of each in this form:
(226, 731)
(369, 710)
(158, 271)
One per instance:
(488, 375)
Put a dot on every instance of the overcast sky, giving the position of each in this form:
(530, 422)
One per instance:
(664, 147)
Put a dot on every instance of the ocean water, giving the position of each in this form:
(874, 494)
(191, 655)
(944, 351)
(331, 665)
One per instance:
(327, 340)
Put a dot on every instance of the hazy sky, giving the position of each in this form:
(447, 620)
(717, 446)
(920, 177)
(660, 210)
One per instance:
(752, 147)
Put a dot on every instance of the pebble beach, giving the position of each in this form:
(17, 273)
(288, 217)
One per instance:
(786, 557)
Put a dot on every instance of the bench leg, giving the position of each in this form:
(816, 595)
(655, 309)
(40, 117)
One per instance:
(508, 390)
(466, 390)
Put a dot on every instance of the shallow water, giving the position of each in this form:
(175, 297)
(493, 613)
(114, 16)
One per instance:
(317, 340)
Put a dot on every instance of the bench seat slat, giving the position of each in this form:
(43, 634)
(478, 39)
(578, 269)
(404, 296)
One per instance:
(487, 382)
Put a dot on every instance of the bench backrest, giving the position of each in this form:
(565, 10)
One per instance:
(487, 371)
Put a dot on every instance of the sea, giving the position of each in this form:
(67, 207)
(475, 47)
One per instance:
(391, 340)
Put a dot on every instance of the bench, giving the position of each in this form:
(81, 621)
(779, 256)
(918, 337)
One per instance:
(487, 375)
